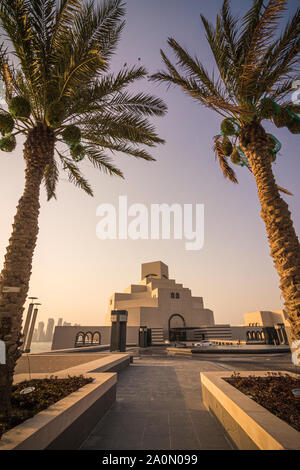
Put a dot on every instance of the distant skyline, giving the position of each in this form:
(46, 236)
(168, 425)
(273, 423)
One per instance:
(74, 273)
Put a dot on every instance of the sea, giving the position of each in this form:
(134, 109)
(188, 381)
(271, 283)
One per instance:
(40, 347)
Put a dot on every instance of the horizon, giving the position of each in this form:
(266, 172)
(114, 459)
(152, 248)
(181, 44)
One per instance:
(74, 273)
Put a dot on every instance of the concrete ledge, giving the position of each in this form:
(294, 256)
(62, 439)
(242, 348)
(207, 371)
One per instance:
(249, 425)
(68, 422)
(250, 349)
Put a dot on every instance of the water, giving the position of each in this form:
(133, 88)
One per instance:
(40, 347)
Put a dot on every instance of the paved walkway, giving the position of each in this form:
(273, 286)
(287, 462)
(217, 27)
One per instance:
(159, 406)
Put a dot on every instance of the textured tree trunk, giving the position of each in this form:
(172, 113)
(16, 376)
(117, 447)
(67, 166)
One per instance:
(283, 241)
(38, 151)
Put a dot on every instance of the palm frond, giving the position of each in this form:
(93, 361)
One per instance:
(260, 42)
(74, 174)
(62, 50)
(228, 172)
(195, 70)
(51, 176)
(15, 19)
(249, 24)
(7, 73)
(121, 127)
(285, 191)
(63, 21)
(230, 29)
(101, 161)
(122, 147)
(226, 63)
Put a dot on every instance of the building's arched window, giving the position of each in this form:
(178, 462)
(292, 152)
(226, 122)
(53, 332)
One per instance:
(88, 338)
(177, 295)
(96, 338)
(262, 335)
(79, 340)
(172, 295)
(253, 335)
(248, 335)
(258, 336)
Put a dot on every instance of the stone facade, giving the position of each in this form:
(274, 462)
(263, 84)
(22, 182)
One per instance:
(159, 302)
(266, 318)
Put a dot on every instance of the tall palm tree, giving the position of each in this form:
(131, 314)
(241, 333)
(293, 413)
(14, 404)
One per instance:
(256, 69)
(63, 99)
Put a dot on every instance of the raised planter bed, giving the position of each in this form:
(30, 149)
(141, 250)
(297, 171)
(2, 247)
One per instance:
(249, 425)
(67, 423)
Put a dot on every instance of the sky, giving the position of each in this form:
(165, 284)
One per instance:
(75, 273)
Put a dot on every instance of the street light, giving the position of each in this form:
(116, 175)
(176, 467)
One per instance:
(27, 322)
(30, 334)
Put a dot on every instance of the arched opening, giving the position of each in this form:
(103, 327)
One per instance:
(88, 338)
(79, 340)
(248, 336)
(258, 336)
(177, 327)
(96, 338)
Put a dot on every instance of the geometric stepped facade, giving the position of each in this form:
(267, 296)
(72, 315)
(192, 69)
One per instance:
(159, 302)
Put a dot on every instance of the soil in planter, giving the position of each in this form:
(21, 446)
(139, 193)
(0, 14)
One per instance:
(273, 392)
(47, 391)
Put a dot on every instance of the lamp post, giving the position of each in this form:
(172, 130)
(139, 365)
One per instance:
(30, 334)
(27, 322)
(118, 330)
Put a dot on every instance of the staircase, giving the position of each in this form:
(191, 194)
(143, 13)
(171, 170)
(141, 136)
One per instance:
(157, 335)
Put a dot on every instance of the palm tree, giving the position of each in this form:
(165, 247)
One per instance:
(63, 99)
(256, 69)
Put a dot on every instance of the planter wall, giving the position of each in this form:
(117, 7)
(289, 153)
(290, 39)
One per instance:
(66, 424)
(249, 425)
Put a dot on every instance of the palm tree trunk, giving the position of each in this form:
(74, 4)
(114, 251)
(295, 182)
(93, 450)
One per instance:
(38, 151)
(283, 241)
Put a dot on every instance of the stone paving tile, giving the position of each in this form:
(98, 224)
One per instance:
(156, 443)
(182, 443)
(158, 406)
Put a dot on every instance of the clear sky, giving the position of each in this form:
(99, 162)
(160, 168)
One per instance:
(74, 272)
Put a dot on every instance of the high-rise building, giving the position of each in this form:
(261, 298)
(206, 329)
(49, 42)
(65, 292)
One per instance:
(60, 322)
(34, 337)
(40, 331)
(50, 329)
(66, 323)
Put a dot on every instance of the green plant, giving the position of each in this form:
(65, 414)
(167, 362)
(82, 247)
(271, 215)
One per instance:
(46, 392)
(59, 63)
(256, 68)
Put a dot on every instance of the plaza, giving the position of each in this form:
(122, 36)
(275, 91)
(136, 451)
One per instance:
(159, 403)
